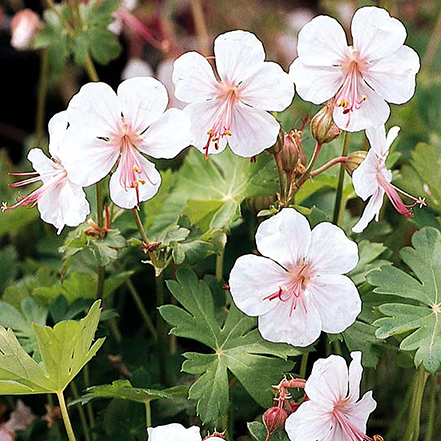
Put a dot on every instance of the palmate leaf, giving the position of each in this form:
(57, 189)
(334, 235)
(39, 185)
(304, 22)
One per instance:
(65, 349)
(237, 347)
(420, 313)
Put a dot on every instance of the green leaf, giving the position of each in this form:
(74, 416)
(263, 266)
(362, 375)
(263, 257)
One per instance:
(419, 311)
(237, 347)
(8, 259)
(123, 389)
(65, 349)
(258, 432)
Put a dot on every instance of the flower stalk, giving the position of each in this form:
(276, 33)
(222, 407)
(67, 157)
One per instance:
(338, 208)
(65, 415)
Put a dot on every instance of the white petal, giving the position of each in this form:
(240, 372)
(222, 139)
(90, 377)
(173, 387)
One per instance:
(377, 140)
(331, 251)
(358, 413)
(310, 422)
(371, 210)
(355, 374)
(364, 178)
(375, 33)
(284, 237)
(322, 42)
(238, 54)
(373, 112)
(203, 117)
(143, 101)
(86, 158)
(328, 382)
(298, 328)
(337, 301)
(57, 131)
(174, 432)
(392, 136)
(393, 77)
(269, 88)
(252, 279)
(164, 73)
(316, 84)
(41, 163)
(136, 67)
(167, 136)
(74, 207)
(95, 107)
(252, 130)
(126, 198)
(193, 78)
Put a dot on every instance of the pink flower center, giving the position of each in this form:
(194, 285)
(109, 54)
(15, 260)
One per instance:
(52, 179)
(294, 290)
(223, 117)
(394, 197)
(349, 96)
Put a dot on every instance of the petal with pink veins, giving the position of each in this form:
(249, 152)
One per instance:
(253, 279)
(269, 88)
(285, 237)
(193, 78)
(42, 164)
(316, 84)
(331, 252)
(143, 101)
(238, 55)
(393, 77)
(375, 33)
(337, 301)
(252, 130)
(371, 211)
(73, 204)
(358, 413)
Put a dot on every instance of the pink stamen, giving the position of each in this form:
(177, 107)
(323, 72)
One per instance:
(353, 432)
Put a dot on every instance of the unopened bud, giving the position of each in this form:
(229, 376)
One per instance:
(274, 419)
(216, 436)
(292, 157)
(24, 28)
(354, 160)
(323, 127)
(260, 203)
(278, 146)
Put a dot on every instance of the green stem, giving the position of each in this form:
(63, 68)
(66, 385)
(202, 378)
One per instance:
(281, 174)
(148, 414)
(220, 265)
(338, 208)
(41, 98)
(81, 412)
(65, 415)
(430, 429)
(143, 234)
(99, 204)
(90, 69)
(304, 365)
(308, 170)
(162, 330)
(337, 347)
(413, 425)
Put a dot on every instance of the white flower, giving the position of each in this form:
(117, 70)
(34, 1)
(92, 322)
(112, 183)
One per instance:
(333, 411)
(376, 69)
(372, 179)
(60, 201)
(105, 127)
(233, 109)
(174, 432)
(298, 289)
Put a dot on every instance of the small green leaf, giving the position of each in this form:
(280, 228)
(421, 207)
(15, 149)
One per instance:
(258, 432)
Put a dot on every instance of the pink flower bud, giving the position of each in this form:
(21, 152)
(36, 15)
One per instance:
(274, 419)
(24, 27)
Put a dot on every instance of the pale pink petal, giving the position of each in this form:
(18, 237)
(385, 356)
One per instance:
(337, 301)
(238, 54)
(42, 164)
(167, 136)
(285, 237)
(310, 422)
(364, 178)
(193, 78)
(392, 136)
(371, 210)
(328, 382)
(269, 88)
(373, 112)
(174, 432)
(96, 108)
(57, 131)
(143, 101)
(393, 77)
(322, 42)
(296, 327)
(316, 84)
(203, 116)
(331, 252)
(6, 434)
(127, 198)
(50, 209)
(87, 158)
(252, 130)
(73, 204)
(252, 279)
(164, 73)
(355, 374)
(375, 33)
(358, 413)
(20, 417)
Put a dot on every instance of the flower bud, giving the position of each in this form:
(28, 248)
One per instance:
(25, 25)
(274, 419)
(323, 128)
(278, 146)
(354, 160)
(216, 436)
(260, 203)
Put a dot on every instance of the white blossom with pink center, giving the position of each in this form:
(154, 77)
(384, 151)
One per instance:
(108, 128)
(233, 108)
(299, 288)
(177, 432)
(333, 411)
(60, 201)
(372, 179)
(377, 69)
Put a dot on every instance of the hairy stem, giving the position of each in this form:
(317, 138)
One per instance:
(220, 265)
(281, 177)
(143, 234)
(201, 27)
(338, 208)
(311, 164)
(41, 97)
(304, 365)
(339, 160)
(65, 415)
(148, 414)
